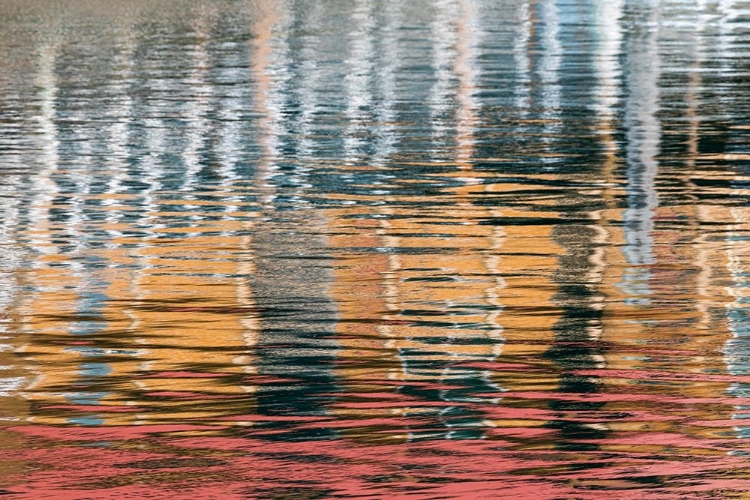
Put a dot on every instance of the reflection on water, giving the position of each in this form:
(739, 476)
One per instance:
(443, 249)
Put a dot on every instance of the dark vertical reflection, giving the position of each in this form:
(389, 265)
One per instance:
(577, 333)
(291, 276)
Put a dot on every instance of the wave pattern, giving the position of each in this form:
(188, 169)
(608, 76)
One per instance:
(375, 249)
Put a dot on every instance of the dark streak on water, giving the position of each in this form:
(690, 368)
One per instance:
(374, 249)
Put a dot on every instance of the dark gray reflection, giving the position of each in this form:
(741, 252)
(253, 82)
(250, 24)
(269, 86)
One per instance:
(291, 272)
(577, 334)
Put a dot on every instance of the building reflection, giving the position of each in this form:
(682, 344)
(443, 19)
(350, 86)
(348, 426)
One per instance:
(136, 328)
(367, 224)
(291, 276)
(432, 323)
(722, 150)
(664, 289)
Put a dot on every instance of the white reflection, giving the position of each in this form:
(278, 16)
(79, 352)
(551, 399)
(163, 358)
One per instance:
(643, 142)
(521, 41)
(196, 110)
(269, 66)
(45, 187)
(121, 119)
(389, 54)
(358, 81)
(606, 62)
(466, 70)
(309, 89)
(608, 35)
(444, 48)
(549, 67)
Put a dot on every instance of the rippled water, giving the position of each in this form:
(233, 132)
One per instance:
(375, 249)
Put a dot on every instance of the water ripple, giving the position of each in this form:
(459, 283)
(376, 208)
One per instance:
(374, 249)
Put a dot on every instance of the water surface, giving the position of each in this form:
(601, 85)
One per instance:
(375, 249)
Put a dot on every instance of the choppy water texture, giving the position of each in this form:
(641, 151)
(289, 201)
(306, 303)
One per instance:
(422, 249)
